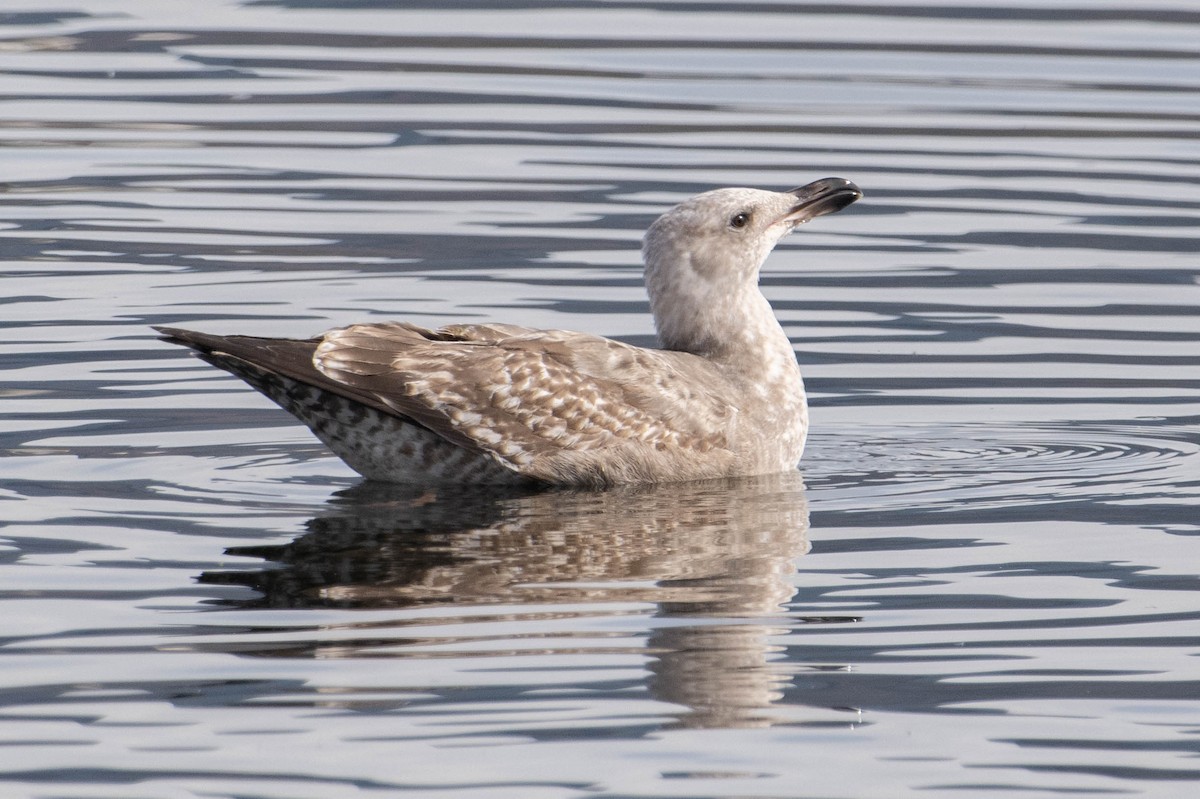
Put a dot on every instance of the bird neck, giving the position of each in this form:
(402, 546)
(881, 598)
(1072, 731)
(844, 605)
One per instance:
(737, 327)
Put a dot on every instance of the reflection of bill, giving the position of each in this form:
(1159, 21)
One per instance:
(716, 553)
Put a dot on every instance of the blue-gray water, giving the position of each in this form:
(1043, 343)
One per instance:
(986, 585)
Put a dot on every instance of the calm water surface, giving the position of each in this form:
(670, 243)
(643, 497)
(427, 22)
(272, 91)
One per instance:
(982, 583)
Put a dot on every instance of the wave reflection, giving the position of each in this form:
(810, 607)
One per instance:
(720, 554)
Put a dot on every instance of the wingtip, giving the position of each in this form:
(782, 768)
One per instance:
(183, 337)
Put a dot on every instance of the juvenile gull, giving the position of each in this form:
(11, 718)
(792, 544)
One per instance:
(496, 403)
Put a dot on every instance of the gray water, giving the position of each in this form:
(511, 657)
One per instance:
(982, 583)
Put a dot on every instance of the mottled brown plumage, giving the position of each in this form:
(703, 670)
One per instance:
(502, 403)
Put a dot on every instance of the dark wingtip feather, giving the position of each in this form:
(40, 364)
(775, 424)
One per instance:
(201, 342)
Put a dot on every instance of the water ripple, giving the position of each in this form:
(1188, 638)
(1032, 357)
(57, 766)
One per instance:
(988, 466)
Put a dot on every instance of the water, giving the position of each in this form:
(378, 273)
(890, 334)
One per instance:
(982, 584)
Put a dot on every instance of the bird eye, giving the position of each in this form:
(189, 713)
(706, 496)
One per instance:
(740, 220)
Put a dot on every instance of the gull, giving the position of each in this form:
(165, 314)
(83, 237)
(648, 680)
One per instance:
(500, 404)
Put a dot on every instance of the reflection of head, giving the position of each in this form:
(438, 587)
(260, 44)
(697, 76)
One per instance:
(721, 672)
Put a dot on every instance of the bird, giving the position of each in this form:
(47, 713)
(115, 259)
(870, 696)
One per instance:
(722, 395)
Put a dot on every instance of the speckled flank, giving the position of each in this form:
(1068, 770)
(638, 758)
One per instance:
(377, 445)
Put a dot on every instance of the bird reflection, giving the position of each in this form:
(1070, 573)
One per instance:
(719, 552)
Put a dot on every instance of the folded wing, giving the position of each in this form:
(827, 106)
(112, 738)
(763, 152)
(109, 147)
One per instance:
(544, 403)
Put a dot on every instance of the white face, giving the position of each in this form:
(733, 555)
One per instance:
(726, 233)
